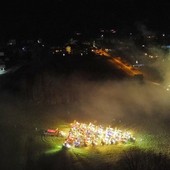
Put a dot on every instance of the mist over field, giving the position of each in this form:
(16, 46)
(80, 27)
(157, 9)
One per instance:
(88, 88)
(78, 98)
(85, 85)
(47, 94)
(124, 103)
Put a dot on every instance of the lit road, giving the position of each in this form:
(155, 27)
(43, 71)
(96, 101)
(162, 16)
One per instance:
(116, 61)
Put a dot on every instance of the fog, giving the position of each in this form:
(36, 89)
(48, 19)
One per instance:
(121, 101)
(128, 101)
(125, 103)
(41, 98)
(75, 96)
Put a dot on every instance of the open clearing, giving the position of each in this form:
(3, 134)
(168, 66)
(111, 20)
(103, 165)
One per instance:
(23, 146)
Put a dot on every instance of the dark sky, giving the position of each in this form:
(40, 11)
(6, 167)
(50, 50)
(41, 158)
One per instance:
(59, 17)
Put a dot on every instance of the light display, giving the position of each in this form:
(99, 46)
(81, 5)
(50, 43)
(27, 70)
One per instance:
(82, 135)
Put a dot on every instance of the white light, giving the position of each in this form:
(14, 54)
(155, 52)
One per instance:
(67, 145)
(23, 48)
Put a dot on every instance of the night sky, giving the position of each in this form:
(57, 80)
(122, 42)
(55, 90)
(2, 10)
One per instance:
(57, 18)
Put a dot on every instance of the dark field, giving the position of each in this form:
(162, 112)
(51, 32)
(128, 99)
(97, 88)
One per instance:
(54, 94)
(128, 105)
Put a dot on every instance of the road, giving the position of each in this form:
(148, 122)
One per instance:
(116, 61)
(130, 70)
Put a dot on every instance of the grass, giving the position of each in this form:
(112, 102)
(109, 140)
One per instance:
(22, 146)
(110, 154)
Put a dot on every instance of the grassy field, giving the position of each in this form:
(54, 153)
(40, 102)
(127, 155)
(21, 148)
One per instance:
(55, 91)
(141, 109)
(23, 146)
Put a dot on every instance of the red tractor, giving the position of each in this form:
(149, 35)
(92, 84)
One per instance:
(53, 132)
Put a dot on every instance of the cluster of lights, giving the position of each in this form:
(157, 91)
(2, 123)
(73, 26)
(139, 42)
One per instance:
(81, 135)
(150, 56)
